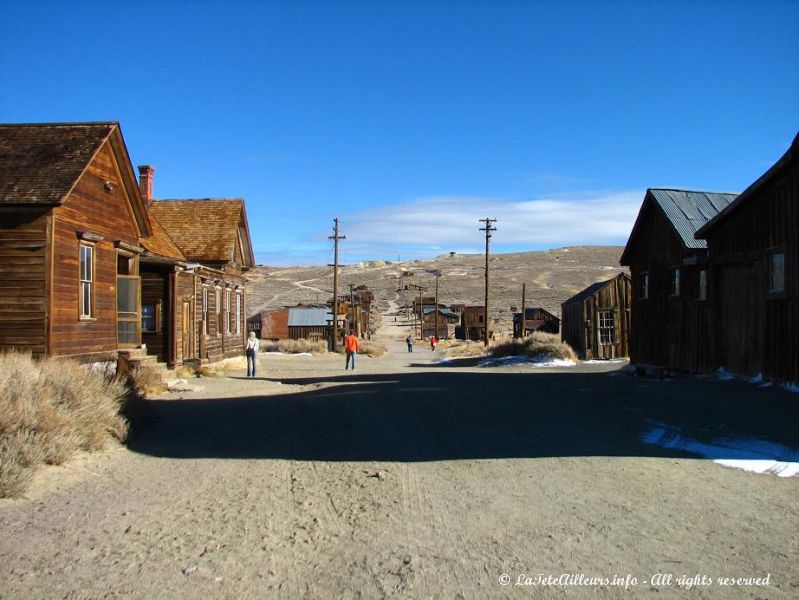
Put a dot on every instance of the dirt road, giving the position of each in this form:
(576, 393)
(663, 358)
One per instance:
(414, 479)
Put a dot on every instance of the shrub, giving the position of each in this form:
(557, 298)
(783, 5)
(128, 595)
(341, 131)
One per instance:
(294, 346)
(535, 345)
(50, 409)
(462, 348)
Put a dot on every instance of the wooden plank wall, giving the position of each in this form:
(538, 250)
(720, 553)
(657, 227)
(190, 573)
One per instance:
(740, 247)
(155, 290)
(573, 327)
(90, 207)
(23, 280)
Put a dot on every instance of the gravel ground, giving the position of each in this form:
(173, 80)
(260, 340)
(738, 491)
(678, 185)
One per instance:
(413, 479)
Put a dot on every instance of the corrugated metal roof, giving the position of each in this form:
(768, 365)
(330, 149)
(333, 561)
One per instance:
(444, 311)
(688, 211)
(310, 317)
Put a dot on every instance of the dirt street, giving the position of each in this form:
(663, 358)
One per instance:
(411, 478)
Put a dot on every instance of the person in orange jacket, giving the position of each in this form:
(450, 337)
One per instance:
(351, 347)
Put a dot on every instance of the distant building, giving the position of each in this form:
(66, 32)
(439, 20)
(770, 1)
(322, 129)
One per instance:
(596, 322)
(447, 319)
(293, 323)
(473, 325)
(536, 319)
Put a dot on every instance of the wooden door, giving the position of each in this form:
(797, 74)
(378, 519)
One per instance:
(739, 316)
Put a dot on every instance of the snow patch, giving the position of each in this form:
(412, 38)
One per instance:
(792, 387)
(749, 454)
(544, 361)
(723, 375)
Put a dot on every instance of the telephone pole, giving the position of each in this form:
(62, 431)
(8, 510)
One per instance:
(524, 308)
(336, 238)
(488, 229)
(438, 276)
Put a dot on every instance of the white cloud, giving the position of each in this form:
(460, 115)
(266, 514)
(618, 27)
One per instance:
(451, 222)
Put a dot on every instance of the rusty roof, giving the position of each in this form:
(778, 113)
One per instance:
(205, 230)
(41, 162)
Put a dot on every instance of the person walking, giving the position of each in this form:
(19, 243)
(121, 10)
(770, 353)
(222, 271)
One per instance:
(433, 342)
(251, 350)
(409, 341)
(351, 347)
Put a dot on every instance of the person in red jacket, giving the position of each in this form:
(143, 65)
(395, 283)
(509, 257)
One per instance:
(351, 347)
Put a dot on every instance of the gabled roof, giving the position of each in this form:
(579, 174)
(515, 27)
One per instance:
(791, 155)
(530, 311)
(310, 317)
(206, 230)
(593, 289)
(160, 243)
(442, 311)
(41, 162)
(685, 210)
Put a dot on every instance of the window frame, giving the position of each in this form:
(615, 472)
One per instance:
(204, 307)
(238, 312)
(84, 315)
(674, 282)
(228, 298)
(702, 285)
(770, 289)
(643, 288)
(218, 309)
(609, 331)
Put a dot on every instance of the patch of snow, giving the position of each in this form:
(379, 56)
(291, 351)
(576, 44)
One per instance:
(791, 387)
(723, 375)
(768, 384)
(757, 378)
(748, 454)
(544, 361)
(607, 361)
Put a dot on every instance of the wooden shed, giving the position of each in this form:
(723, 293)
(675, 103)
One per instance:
(596, 322)
(536, 319)
(670, 313)
(270, 324)
(472, 325)
(753, 246)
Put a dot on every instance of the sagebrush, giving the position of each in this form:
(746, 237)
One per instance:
(538, 344)
(294, 346)
(51, 408)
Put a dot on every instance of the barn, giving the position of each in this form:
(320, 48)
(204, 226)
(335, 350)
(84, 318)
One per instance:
(536, 319)
(753, 246)
(596, 321)
(670, 320)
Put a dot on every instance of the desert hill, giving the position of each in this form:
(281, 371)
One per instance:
(551, 276)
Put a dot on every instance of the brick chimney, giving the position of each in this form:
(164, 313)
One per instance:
(146, 173)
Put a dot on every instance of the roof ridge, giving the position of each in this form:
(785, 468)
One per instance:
(61, 124)
(229, 198)
(672, 189)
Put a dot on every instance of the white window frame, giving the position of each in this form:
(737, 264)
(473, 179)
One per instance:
(228, 297)
(607, 326)
(205, 308)
(218, 309)
(86, 278)
(238, 313)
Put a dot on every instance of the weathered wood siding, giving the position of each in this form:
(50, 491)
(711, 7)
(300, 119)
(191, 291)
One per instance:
(581, 318)
(574, 327)
(24, 258)
(667, 330)
(155, 290)
(755, 331)
(90, 207)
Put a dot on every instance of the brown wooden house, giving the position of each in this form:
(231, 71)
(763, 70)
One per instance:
(753, 248)
(536, 319)
(472, 325)
(91, 272)
(270, 324)
(71, 225)
(670, 312)
(207, 296)
(596, 322)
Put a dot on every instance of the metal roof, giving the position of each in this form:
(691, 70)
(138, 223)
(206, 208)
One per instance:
(688, 211)
(310, 317)
(444, 311)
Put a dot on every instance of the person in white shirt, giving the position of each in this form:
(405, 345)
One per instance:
(251, 350)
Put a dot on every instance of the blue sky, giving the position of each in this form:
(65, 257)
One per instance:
(412, 120)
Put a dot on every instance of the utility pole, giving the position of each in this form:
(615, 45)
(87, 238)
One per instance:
(438, 276)
(354, 323)
(524, 308)
(336, 238)
(421, 307)
(488, 229)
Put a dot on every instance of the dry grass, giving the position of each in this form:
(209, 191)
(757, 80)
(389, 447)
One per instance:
(146, 381)
(49, 410)
(368, 348)
(294, 346)
(461, 348)
(537, 344)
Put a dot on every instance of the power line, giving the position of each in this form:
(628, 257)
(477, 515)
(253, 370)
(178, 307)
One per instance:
(336, 238)
(488, 229)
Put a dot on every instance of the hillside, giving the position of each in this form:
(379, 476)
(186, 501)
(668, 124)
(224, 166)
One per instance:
(551, 276)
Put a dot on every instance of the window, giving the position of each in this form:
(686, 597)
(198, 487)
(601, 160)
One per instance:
(86, 281)
(218, 310)
(702, 295)
(607, 327)
(238, 313)
(675, 282)
(643, 291)
(776, 272)
(228, 313)
(205, 310)
(148, 320)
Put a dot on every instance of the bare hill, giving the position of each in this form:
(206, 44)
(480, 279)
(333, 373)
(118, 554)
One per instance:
(551, 276)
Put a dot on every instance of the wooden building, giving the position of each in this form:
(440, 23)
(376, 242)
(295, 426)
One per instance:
(71, 225)
(90, 271)
(447, 320)
(270, 324)
(753, 248)
(208, 299)
(670, 312)
(472, 325)
(300, 322)
(596, 322)
(536, 319)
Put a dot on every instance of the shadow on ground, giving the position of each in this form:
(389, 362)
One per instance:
(449, 416)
